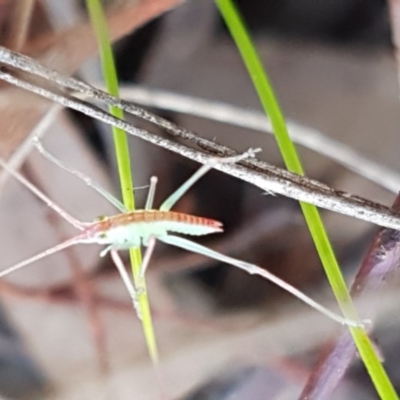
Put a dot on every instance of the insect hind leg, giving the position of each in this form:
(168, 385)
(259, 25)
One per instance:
(255, 270)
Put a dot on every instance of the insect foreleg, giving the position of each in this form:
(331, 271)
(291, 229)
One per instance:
(73, 221)
(88, 181)
(126, 279)
(171, 200)
(151, 242)
(255, 270)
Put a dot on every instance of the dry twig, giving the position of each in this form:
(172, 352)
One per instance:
(267, 177)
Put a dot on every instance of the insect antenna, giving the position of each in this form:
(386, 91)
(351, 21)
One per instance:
(68, 243)
(38, 193)
(43, 254)
(80, 175)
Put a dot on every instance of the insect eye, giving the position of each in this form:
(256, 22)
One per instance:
(103, 235)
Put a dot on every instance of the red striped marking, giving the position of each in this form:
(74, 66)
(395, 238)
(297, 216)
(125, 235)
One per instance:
(153, 216)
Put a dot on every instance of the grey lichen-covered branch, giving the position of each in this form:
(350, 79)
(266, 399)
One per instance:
(267, 177)
(246, 118)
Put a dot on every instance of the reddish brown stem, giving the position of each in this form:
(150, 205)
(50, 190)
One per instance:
(379, 263)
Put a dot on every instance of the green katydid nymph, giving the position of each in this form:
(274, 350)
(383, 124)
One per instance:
(144, 227)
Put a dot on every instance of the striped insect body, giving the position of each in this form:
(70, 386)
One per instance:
(133, 229)
(143, 227)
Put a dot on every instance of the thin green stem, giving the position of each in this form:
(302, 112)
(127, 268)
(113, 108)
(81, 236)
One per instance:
(271, 107)
(99, 24)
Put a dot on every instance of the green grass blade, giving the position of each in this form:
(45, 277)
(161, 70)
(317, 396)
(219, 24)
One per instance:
(271, 107)
(123, 160)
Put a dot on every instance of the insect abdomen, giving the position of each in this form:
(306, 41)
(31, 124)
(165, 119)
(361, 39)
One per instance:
(167, 221)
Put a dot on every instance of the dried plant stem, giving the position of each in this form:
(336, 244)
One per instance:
(19, 28)
(379, 264)
(252, 119)
(267, 177)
